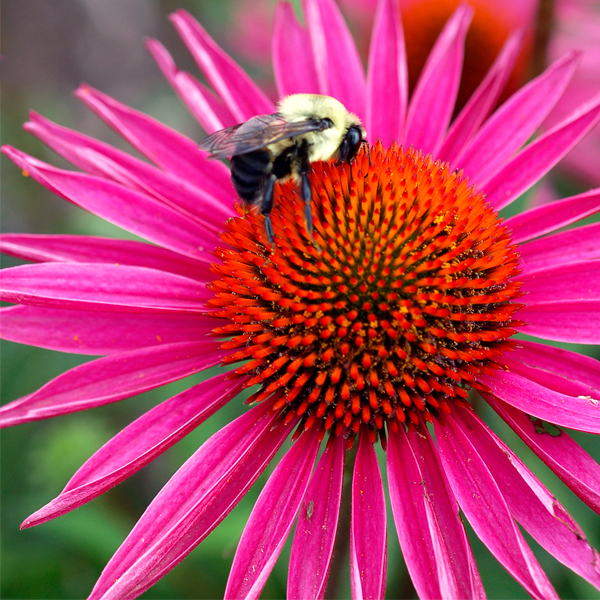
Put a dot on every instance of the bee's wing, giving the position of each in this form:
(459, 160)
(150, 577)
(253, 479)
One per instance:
(257, 133)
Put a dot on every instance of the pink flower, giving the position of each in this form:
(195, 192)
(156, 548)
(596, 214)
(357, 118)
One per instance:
(377, 334)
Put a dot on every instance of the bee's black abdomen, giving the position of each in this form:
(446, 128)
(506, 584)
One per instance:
(248, 173)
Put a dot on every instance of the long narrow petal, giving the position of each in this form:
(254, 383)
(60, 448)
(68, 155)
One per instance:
(573, 465)
(433, 540)
(516, 121)
(567, 247)
(272, 518)
(97, 158)
(207, 109)
(481, 103)
(102, 287)
(314, 539)
(574, 282)
(534, 507)
(484, 506)
(91, 249)
(194, 501)
(532, 163)
(138, 444)
(522, 392)
(333, 46)
(387, 78)
(432, 102)
(164, 146)
(98, 332)
(368, 534)
(110, 379)
(133, 211)
(575, 322)
(293, 66)
(550, 217)
(240, 94)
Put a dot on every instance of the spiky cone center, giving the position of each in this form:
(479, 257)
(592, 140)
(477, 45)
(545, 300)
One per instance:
(388, 316)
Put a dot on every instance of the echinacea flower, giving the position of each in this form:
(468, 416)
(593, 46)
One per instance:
(374, 333)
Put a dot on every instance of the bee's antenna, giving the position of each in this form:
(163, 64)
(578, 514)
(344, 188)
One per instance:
(368, 148)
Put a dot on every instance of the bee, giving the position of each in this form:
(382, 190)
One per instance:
(274, 148)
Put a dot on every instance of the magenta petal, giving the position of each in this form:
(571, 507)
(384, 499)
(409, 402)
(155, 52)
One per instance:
(484, 506)
(141, 214)
(272, 518)
(102, 287)
(314, 539)
(368, 534)
(207, 110)
(339, 69)
(575, 322)
(516, 121)
(98, 332)
(574, 282)
(572, 246)
(90, 249)
(536, 399)
(98, 158)
(573, 465)
(387, 80)
(546, 219)
(532, 163)
(293, 66)
(239, 93)
(138, 444)
(465, 126)
(110, 379)
(194, 501)
(432, 537)
(432, 101)
(536, 509)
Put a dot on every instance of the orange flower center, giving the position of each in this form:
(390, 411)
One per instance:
(402, 299)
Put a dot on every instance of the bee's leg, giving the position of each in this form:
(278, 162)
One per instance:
(306, 193)
(266, 206)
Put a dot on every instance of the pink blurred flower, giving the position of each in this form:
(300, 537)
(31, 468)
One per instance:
(410, 303)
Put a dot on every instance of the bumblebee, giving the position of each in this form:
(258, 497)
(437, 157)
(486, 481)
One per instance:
(274, 148)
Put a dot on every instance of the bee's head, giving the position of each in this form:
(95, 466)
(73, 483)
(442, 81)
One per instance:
(355, 136)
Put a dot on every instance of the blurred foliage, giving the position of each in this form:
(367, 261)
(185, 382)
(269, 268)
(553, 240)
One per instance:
(48, 49)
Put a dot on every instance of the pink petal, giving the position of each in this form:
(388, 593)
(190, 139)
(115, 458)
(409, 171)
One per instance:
(194, 501)
(575, 322)
(532, 163)
(272, 518)
(110, 379)
(293, 66)
(484, 506)
(139, 444)
(516, 121)
(97, 158)
(237, 91)
(368, 534)
(207, 110)
(466, 125)
(572, 246)
(135, 212)
(546, 219)
(574, 282)
(98, 332)
(165, 147)
(387, 80)
(433, 540)
(433, 99)
(102, 287)
(90, 249)
(573, 465)
(536, 509)
(339, 69)
(314, 539)
(522, 392)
